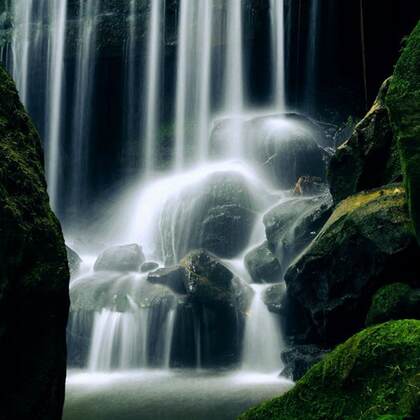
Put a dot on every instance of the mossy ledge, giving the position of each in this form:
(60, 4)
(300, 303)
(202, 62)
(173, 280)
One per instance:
(403, 101)
(373, 375)
(34, 274)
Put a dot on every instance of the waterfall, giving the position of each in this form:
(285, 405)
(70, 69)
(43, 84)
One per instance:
(262, 342)
(278, 62)
(234, 79)
(82, 108)
(21, 41)
(152, 83)
(185, 36)
(204, 66)
(58, 11)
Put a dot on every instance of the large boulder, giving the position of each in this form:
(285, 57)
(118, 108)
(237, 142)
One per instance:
(362, 247)
(294, 223)
(262, 265)
(403, 101)
(369, 159)
(374, 375)
(285, 146)
(34, 275)
(216, 214)
(120, 258)
(392, 302)
(274, 298)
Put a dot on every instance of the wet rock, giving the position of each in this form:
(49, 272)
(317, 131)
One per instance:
(262, 265)
(216, 214)
(34, 278)
(274, 298)
(172, 277)
(299, 359)
(74, 260)
(149, 266)
(369, 159)
(294, 223)
(362, 247)
(120, 258)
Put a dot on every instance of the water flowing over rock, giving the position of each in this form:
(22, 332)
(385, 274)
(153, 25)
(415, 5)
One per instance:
(74, 261)
(34, 272)
(216, 214)
(362, 247)
(120, 258)
(172, 277)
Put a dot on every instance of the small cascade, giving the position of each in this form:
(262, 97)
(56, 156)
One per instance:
(169, 331)
(84, 79)
(58, 12)
(152, 82)
(262, 340)
(277, 29)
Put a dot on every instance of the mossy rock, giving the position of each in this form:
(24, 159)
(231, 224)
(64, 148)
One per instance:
(361, 248)
(374, 375)
(403, 101)
(369, 159)
(34, 273)
(394, 301)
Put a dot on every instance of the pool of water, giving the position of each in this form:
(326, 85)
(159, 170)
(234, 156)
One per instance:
(167, 395)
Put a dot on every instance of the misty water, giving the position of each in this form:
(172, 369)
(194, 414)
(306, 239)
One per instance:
(137, 349)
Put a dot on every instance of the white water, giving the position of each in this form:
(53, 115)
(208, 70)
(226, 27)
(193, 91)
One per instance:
(278, 31)
(262, 342)
(85, 73)
(58, 11)
(152, 83)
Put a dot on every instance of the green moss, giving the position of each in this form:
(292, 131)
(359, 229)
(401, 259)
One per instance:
(403, 101)
(34, 274)
(388, 303)
(374, 375)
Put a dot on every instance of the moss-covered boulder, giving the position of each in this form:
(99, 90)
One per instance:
(403, 101)
(362, 247)
(369, 159)
(374, 375)
(34, 274)
(394, 301)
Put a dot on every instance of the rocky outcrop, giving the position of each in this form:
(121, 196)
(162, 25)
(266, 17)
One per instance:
(392, 302)
(149, 266)
(262, 265)
(74, 261)
(403, 101)
(374, 375)
(369, 159)
(274, 298)
(362, 247)
(294, 223)
(34, 274)
(120, 258)
(172, 277)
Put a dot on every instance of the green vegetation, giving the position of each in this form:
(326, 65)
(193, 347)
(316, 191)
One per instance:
(374, 375)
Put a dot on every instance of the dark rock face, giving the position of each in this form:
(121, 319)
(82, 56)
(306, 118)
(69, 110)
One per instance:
(374, 375)
(217, 214)
(172, 277)
(34, 274)
(392, 302)
(369, 159)
(262, 265)
(403, 102)
(299, 359)
(274, 298)
(120, 258)
(74, 260)
(361, 248)
(293, 224)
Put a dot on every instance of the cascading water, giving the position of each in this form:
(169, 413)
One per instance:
(227, 165)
